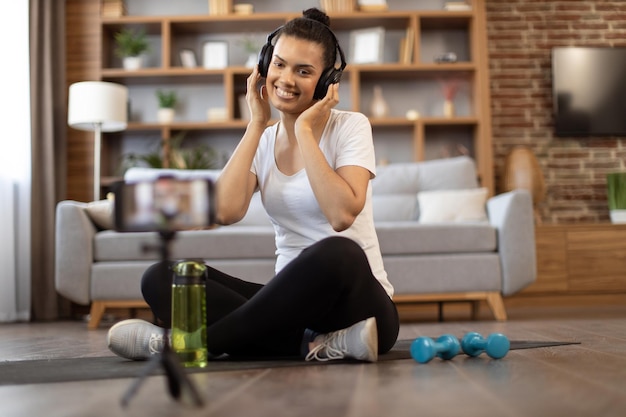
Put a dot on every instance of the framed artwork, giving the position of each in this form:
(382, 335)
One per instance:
(188, 58)
(215, 55)
(366, 46)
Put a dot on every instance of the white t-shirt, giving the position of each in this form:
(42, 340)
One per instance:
(291, 205)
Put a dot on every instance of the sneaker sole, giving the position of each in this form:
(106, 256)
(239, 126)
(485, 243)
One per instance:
(372, 339)
(120, 324)
(126, 323)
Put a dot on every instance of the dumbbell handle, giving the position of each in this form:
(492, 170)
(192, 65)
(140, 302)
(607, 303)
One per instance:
(424, 349)
(496, 345)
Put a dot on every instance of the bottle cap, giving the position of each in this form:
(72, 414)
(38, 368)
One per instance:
(189, 272)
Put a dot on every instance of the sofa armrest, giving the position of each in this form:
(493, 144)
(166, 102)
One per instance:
(74, 233)
(511, 214)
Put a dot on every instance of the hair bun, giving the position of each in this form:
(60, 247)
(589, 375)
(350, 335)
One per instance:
(317, 15)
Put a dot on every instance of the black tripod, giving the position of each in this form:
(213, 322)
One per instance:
(180, 387)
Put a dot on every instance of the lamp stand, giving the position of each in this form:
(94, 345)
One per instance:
(96, 160)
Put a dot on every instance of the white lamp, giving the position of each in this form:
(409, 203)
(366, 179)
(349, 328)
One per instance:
(101, 107)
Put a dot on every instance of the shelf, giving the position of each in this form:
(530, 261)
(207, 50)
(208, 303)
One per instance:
(226, 124)
(187, 75)
(414, 85)
(169, 75)
(241, 124)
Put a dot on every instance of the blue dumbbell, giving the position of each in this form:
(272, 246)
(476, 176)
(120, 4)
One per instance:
(423, 349)
(496, 345)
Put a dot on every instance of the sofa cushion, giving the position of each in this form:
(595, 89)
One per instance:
(101, 213)
(122, 280)
(438, 206)
(220, 243)
(394, 207)
(411, 238)
(465, 272)
(413, 177)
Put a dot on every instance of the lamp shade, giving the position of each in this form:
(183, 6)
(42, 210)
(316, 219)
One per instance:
(93, 103)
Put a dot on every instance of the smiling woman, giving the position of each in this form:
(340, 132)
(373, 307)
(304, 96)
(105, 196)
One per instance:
(330, 297)
(15, 181)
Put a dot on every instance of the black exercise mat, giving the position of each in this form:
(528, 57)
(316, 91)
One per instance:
(110, 367)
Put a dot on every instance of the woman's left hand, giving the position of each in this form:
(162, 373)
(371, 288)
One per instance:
(318, 112)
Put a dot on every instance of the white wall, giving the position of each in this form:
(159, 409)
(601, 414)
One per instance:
(15, 166)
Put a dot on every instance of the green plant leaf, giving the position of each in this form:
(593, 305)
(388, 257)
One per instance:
(197, 157)
(130, 42)
(616, 190)
(167, 99)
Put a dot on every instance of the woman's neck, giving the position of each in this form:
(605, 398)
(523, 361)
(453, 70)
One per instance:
(288, 126)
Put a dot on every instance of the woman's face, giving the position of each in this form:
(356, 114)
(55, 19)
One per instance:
(293, 73)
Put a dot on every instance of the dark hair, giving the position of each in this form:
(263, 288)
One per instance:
(314, 25)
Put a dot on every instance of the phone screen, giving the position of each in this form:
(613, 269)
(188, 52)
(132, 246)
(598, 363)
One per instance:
(164, 204)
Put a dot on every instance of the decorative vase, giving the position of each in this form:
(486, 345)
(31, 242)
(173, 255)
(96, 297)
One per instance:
(448, 108)
(132, 63)
(378, 107)
(522, 170)
(165, 115)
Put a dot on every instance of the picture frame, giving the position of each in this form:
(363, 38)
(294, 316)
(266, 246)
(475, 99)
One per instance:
(215, 55)
(188, 58)
(366, 45)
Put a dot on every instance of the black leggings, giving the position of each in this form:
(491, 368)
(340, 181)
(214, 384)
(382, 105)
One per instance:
(328, 287)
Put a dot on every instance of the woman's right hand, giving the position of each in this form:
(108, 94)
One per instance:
(257, 102)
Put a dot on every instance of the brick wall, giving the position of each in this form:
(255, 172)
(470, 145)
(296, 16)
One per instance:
(521, 34)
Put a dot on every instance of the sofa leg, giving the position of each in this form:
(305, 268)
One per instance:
(98, 308)
(496, 304)
(475, 307)
(95, 315)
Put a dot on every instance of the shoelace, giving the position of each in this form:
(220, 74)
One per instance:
(334, 346)
(155, 344)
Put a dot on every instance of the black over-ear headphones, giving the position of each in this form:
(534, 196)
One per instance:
(331, 75)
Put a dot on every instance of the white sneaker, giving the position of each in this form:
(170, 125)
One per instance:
(359, 341)
(135, 339)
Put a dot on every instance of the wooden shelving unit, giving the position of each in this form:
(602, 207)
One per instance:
(404, 84)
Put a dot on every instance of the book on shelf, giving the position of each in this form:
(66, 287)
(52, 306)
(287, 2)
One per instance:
(457, 6)
(337, 6)
(113, 8)
(218, 7)
(406, 47)
(373, 5)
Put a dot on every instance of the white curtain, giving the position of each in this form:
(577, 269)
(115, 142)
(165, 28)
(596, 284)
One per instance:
(15, 165)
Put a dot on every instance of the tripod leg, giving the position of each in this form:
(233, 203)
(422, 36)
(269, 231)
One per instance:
(178, 381)
(153, 364)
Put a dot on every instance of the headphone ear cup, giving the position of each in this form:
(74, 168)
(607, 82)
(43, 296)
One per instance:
(265, 56)
(330, 76)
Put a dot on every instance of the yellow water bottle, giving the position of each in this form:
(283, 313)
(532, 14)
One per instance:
(188, 336)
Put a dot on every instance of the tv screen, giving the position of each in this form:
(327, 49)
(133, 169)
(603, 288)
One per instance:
(589, 91)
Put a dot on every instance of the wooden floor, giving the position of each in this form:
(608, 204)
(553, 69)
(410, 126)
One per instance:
(579, 380)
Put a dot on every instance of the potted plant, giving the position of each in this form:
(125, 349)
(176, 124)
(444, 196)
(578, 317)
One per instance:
(616, 189)
(174, 155)
(167, 102)
(130, 45)
(251, 46)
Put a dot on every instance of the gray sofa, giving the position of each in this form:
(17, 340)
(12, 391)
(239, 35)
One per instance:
(441, 238)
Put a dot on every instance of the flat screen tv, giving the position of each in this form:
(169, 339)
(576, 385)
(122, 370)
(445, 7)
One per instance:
(589, 91)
